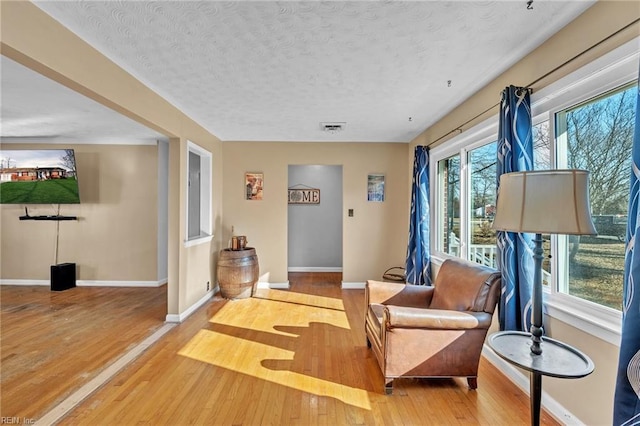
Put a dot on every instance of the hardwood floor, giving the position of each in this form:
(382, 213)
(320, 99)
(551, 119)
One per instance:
(282, 357)
(53, 342)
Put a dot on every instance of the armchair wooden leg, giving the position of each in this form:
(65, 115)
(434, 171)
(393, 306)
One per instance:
(473, 382)
(388, 386)
(368, 343)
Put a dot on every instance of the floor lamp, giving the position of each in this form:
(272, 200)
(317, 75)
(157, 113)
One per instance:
(542, 202)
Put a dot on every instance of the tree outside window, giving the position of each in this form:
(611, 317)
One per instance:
(597, 136)
(483, 169)
(449, 177)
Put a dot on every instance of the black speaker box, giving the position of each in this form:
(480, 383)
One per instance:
(63, 276)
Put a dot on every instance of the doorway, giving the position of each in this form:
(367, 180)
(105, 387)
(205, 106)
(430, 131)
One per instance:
(315, 229)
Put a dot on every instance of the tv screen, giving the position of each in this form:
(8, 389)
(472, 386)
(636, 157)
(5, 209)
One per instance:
(38, 176)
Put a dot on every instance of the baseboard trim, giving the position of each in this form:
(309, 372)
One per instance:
(275, 286)
(314, 269)
(89, 283)
(177, 318)
(24, 282)
(557, 410)
(92, 283)
(353, 285)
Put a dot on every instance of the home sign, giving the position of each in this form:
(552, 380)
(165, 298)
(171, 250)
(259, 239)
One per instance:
(304, 196)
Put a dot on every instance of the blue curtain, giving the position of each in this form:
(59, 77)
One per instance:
(515, 251)
(626, 407)
(418, 266)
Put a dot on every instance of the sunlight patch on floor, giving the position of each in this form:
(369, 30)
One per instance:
(275, 340)
(300, 298)
(265, 314)
(247, 357)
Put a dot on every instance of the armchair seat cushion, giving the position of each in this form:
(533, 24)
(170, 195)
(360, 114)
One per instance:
(436, 319)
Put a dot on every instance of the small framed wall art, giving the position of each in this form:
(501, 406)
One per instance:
(254, 184)
(375, 187)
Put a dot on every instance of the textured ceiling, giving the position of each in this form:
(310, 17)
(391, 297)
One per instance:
(272, 71)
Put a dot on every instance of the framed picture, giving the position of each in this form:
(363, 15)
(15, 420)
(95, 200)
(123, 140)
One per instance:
(375, 187)
(253, 183)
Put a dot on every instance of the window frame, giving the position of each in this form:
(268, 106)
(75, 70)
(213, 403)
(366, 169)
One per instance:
(614, 69)
(440, 190)
(478, 136)
(468, 225)
(206, 183)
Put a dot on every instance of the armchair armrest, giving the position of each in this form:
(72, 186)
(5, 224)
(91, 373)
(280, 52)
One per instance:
(408, 317)
(398, 294)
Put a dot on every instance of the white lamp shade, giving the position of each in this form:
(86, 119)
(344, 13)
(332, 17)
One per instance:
(545, 202)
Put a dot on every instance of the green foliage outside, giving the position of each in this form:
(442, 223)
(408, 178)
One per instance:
(55, 191)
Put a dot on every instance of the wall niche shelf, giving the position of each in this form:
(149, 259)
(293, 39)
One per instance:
(26, 216)
(50, 217)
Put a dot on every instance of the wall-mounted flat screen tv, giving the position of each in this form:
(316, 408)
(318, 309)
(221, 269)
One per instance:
(38, 176)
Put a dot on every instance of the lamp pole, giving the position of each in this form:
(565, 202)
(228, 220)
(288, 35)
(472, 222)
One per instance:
(537, 330)
(536, 313)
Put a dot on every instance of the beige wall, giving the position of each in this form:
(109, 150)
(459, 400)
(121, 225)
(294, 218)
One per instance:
(115, 238)
(603, 27)
(32, 38)
(597, 388)
(374, 239)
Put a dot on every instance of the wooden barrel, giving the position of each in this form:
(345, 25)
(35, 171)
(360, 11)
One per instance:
(238, 271)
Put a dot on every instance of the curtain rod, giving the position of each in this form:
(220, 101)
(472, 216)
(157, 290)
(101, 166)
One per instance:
(528, 86)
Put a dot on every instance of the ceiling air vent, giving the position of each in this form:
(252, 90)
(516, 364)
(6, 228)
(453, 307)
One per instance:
(334, 127)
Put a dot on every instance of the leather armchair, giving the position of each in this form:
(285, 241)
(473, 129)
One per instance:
(432, 331)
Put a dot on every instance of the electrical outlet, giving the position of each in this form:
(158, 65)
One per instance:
(208, 286)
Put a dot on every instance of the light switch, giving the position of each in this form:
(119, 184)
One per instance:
(350, 212)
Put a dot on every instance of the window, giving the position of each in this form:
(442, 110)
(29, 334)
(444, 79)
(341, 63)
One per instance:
(466, 190)
(541, 146)
(482, 166)
(597, 135)
(584, 120)
(199, 165)
(542, 161)
(193, 196)
(449, 179)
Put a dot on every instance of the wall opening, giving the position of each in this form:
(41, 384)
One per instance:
(315, 229)
(199, 175)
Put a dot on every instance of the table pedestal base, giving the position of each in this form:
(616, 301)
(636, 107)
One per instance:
(556, 360)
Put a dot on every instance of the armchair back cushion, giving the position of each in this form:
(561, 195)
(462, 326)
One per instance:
(461, 286)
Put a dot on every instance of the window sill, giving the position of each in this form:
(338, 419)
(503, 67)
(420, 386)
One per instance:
(201, 239)
(599, 321)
